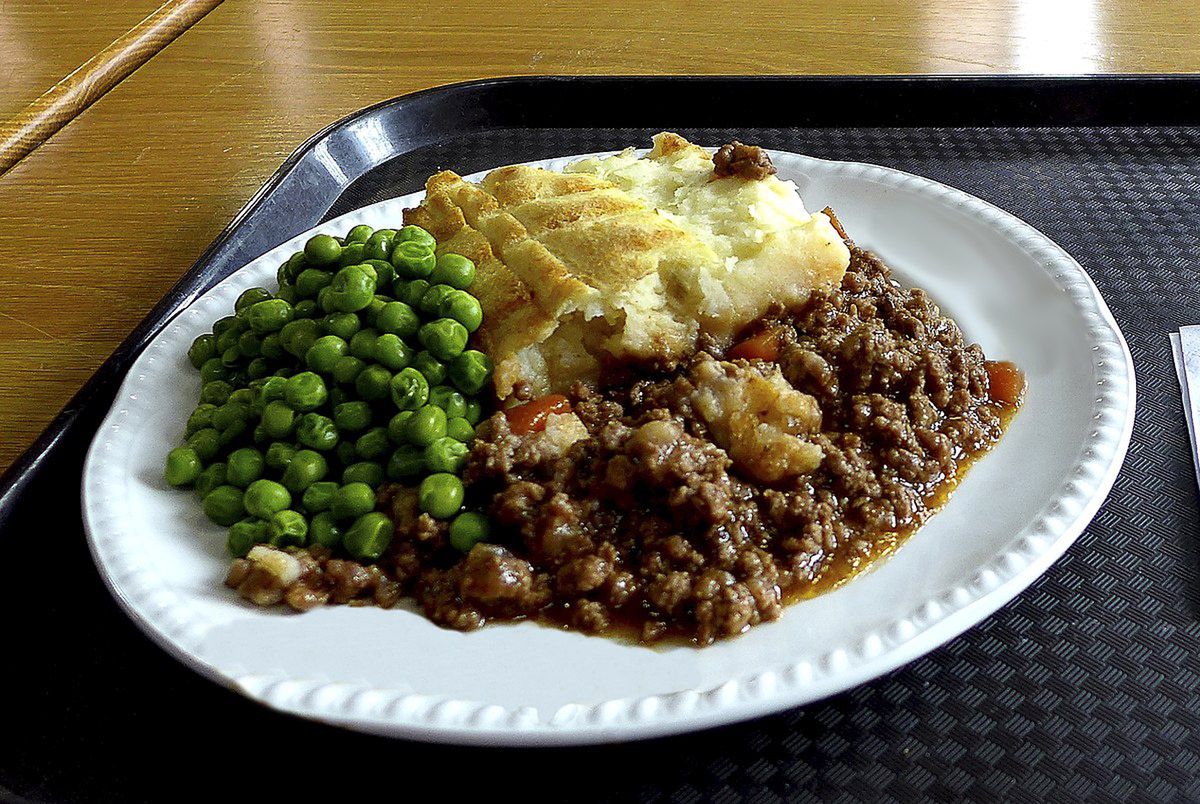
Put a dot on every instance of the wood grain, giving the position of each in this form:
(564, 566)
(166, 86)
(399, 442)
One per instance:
(100, 221)
(79, 90)
(42, 40)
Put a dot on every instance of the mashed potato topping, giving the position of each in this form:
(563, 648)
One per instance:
(767, 246)
(625, 259)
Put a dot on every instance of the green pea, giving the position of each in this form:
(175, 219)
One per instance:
(443, 338)
(416, 234)
(430, 367)
(294, 265)
(463, 308)
(287, 293)
(230, 415)
(278, 419)
(325, 300)
(213, 370)
(446, 455)
(307, 308)
(343, 325)
(352, 254)
(243, 396)
(353, 500)
(305, 391)
(206, 442)
(373, 444)
(306, 468)
(266, 497)
(385, 274)
(227, 346)
(399, 319)
(362, 344)
(231, 357)
(269, 316)
(411, 292)
(258, 367)
(454, 270)
(223, 505)
(251, 297)
(448, 400)
(370, 313)
(200, 418)
(372, 382)
(319, 496)
(317, 432)
(183, 467)
(272, 388)
(244, 534)
(396, 427)
(409, 389)
(426, 426)
(203, 349)
(244, 466)
(352, 416)
(369, 536)
(368, 472)
(359, 234)
(441, 495)
(352, 289)
(299, 336)
(460, 429)
(324, 354)
(272, 346)
(346, 453)
(325, 531)
(474, 412)
(288, 528)
(229, 323)
(468, 529)
(234, 432)
(368, 267)
(337, 396)
(407, 461)
(393, 353)
(346, 369)
(413, 260)
(322, 250)
(310, 282)
(209, 479)
(471, 371)
(259, 434)
(279, 455)
(432, 299)
(379, 244)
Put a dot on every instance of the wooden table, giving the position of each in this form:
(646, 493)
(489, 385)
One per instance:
(100, 221)
(42, 41)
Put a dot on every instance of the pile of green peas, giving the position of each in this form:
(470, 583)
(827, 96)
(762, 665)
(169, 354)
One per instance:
(354, 372)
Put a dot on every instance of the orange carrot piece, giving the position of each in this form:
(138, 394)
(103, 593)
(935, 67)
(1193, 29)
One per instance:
(763, 346)
(530, 417)
(1006, 382)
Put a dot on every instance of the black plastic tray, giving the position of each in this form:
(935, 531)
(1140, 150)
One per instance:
(1086, 686)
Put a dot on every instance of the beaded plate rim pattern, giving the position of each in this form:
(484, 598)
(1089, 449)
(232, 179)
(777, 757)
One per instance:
(167, 619)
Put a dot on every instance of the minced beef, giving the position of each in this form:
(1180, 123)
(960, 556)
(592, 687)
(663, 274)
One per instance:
(746, 161)
(646, 524)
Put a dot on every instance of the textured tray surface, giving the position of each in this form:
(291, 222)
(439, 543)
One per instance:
(1086, 686)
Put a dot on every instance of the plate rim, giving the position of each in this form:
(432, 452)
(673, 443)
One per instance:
(411, 715)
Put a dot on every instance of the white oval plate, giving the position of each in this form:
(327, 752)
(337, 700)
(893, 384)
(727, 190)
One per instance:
(395, 673)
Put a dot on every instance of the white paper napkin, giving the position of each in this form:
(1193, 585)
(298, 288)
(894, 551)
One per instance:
(1185, 345)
